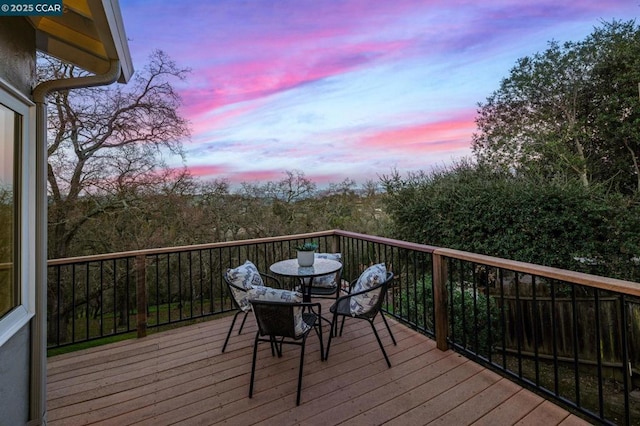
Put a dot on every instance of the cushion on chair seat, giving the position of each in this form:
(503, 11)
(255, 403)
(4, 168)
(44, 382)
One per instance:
(371, 277)
(326, 281)
(244, 276)
(331, 256)
(269, 294)
(341, 307)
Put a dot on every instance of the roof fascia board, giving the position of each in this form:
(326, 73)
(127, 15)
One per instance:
(116, 46)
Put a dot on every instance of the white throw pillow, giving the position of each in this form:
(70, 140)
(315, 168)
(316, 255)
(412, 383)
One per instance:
(371, 277)
(326, 281)
(244, 276)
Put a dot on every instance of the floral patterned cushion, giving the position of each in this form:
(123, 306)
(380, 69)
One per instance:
(326, 281)
(371, 277)
(244, 276)
(332, 256)
(269, 294)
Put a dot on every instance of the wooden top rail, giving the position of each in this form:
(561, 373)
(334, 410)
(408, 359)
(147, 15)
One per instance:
(389, 241)
(605, 283)
(164, 250)
(596, 281)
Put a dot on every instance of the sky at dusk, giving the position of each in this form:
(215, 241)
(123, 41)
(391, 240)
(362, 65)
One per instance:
(344, 89)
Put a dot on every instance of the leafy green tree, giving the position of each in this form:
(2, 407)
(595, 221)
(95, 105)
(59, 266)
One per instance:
(571, 111)
(616, 116)
(553, 223)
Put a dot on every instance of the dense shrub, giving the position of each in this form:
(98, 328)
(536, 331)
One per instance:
(476, 316)
(561, 224)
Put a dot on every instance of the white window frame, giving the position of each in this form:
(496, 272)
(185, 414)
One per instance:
(19, 316)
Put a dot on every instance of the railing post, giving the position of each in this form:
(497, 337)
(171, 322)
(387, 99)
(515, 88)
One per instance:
(141, 294)
(440, 301)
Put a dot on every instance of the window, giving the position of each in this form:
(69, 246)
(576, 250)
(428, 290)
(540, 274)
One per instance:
(9, 214)
(17, 211)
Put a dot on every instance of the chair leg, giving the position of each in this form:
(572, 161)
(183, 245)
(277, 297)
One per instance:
(279, 348)
(334, 322)
(233, 322)
(274, 346)
(319, 333)
(334, 327)
(342, 325)
(304, 340)
(388, 329)
(243, 321)
(380, 343)
(253, 364)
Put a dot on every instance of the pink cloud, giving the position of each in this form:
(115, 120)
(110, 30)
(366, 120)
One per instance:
(206, 120)
(217, 171)
(242, 53)
(445, 135)
(213, 170)
(258, 75)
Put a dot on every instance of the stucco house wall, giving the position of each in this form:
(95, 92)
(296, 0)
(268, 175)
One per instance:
(18, 53)
(14, 386)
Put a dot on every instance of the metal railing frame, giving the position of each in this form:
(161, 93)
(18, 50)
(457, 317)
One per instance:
(189, 278)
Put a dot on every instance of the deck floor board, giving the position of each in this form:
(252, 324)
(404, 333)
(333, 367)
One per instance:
(181, 377)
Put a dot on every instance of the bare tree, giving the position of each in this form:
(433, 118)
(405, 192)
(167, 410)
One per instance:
(104, 142)
(106, 145)
(154, 211)
(295, 186)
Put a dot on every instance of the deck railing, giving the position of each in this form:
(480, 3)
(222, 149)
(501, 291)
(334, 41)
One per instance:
(573, 337)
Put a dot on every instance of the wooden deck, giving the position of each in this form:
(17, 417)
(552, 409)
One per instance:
(180, 377)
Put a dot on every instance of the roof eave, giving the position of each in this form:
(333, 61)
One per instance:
(89, 34)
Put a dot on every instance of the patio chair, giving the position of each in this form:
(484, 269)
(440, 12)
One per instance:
(239, 280)
(283, 319)
(363, 302)
(327, 286)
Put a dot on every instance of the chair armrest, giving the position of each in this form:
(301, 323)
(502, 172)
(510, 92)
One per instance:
(358, 293)
(316, 305)
(267, 278)
(349, 287)
(344, 287)
(231, 285)
(278, 302)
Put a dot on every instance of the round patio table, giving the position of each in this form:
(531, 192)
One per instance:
(306, 274)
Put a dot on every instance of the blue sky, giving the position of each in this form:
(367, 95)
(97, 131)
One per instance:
(344, 89)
